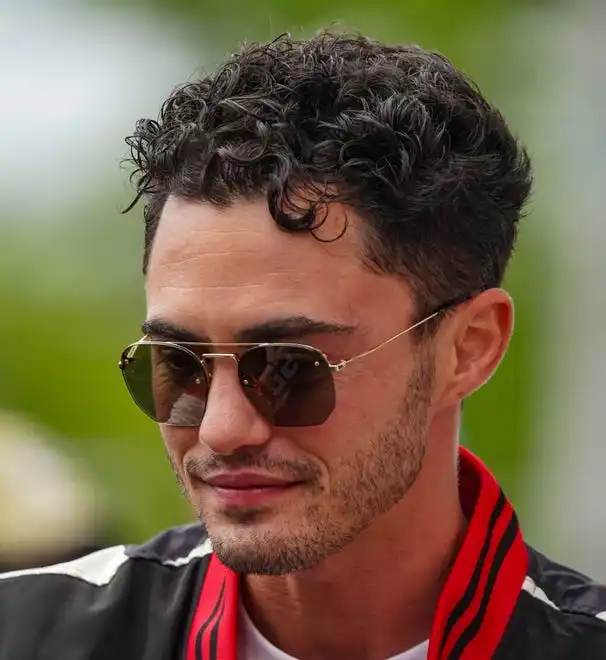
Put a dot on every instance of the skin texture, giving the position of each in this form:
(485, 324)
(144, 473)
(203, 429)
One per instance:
(379, 477)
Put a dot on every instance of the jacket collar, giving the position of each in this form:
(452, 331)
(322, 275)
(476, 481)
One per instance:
(484, 583)
(475, 605)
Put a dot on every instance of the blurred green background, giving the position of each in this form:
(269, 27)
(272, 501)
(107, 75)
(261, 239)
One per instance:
(78, 76)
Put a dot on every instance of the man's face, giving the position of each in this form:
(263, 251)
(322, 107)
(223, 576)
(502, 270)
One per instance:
(217, 273)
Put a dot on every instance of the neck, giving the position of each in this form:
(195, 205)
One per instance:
(376, 597)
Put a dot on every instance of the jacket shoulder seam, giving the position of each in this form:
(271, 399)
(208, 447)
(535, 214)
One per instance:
(100, 568)
(532, 588)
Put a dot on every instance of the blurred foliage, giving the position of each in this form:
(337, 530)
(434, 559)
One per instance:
(73, 297)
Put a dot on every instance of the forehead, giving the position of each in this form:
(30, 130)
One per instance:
(221, 269)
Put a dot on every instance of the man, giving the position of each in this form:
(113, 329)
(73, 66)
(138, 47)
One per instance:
(327, 227)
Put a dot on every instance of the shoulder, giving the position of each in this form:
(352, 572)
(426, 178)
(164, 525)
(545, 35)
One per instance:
(561, 613)
(60, 601)
(176, 547)
(565, 588)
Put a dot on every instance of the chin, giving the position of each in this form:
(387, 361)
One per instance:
(272, 547)
(269, 555)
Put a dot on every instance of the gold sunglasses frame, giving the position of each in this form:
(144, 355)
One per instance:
(334, 367)
(129, 351)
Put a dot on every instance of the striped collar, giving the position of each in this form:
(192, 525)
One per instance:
(475, 605)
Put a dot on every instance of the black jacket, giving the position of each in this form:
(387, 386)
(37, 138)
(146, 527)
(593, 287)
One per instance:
(172, 599)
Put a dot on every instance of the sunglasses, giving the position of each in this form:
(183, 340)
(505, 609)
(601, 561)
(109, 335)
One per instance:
(288, 384)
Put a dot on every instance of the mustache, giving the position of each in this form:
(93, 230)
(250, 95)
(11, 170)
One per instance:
(297, 469)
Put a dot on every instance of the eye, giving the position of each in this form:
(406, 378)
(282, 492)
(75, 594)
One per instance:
(177, 360)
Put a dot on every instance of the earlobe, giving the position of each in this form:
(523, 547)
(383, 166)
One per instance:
(481, 337)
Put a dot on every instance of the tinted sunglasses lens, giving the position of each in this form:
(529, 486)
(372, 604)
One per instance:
(167, 382)
(288, 385)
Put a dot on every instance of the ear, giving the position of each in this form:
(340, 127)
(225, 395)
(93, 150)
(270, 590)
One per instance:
(479, 336)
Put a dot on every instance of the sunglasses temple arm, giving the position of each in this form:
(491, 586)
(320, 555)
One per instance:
(344, 363)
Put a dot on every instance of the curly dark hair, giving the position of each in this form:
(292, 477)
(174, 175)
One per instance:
(396, 133)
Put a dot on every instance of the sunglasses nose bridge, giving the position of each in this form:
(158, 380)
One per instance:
(212, 356)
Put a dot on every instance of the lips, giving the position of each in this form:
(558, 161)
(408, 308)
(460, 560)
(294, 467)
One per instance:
(247, 480)
(249, 490)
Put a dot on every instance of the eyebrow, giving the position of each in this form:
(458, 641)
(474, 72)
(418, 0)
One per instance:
(275, 330)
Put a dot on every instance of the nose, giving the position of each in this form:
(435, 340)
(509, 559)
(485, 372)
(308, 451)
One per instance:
(230, 421)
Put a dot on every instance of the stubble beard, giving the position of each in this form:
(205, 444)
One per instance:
(372, 481)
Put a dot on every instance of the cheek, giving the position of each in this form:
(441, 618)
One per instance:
(365, 402)
(368, 393)
(178, 441)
